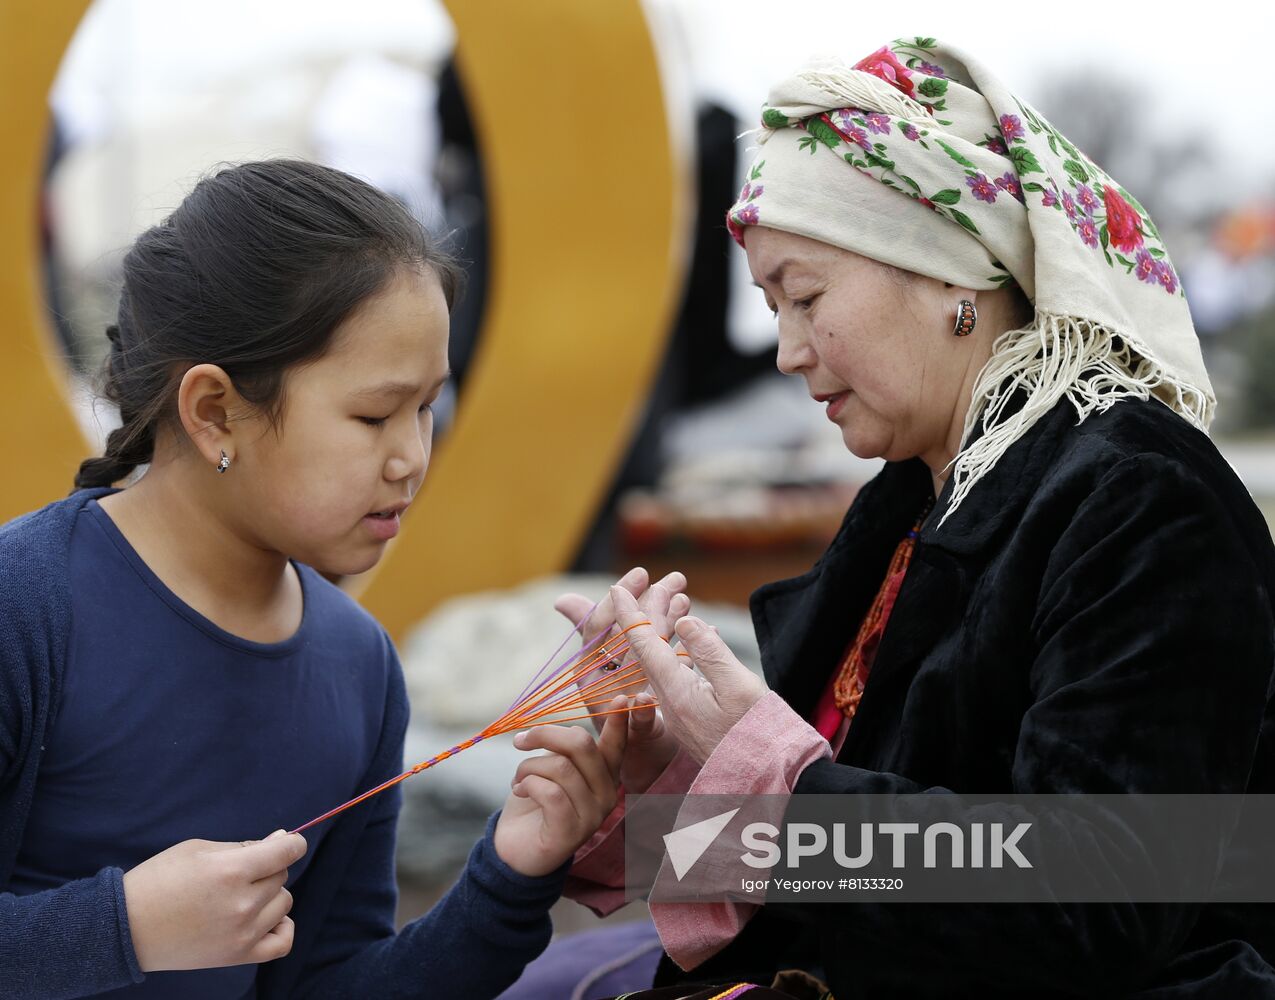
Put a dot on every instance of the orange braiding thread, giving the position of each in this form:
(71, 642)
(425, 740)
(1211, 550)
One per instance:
(554, 698)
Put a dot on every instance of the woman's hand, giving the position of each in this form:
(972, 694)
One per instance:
(698, 710)
(650, 745)
(203, 904)
(560, 798)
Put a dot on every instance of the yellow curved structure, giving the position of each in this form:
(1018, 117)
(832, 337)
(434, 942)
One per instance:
(40, 443)
(587, 203)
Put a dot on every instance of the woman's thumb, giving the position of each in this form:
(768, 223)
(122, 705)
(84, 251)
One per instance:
(708, 651)
(574, 607)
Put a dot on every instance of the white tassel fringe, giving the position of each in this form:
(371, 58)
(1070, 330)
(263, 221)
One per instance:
(1048, 359)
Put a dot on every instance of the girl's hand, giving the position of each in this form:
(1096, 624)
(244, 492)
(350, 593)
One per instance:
(698, 710)
(560, 798)
(203, 904)
(650, 745)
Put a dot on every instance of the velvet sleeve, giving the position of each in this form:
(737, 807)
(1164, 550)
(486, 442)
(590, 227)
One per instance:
(1153, 646)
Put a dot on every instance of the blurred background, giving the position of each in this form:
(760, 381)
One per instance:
(731, 474)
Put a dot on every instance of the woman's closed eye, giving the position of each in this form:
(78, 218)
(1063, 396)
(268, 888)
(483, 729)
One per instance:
(801, 305)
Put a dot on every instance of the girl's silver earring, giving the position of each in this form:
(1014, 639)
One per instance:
(966, 317)
(224, 464)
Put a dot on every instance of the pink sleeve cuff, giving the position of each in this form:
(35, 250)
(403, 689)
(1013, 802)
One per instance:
(596, 878)
(763, 754)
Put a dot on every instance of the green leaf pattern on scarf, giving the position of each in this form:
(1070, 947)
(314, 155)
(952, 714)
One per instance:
(1103, 215)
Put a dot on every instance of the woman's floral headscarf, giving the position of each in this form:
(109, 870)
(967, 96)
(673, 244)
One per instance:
(919, 157)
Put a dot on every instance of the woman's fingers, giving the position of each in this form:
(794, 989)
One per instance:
(658, 600)
(713, 657)
(574, 607)
(659, 661)
(590, 617)
(674, 583)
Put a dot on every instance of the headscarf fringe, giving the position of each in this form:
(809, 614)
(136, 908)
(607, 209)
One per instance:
(1091, 365)
(857, 89)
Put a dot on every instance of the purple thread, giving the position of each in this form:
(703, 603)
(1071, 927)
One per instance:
(535, 681)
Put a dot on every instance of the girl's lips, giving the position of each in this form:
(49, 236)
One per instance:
(836, 403)
(382, 528)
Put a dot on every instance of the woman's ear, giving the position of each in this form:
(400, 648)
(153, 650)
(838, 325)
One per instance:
(206, 402)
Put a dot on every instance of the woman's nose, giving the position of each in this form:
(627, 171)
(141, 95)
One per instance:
(795, 352)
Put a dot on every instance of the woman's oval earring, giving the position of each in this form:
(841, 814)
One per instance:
(966, 317)
(224, 464)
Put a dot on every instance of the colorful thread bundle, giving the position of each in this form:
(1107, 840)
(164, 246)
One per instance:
(546, 700)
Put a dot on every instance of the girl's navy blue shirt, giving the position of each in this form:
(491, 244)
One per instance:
(129, 722)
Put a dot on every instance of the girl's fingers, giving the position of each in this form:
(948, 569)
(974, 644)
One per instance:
(554, 802)
(611, 744)
(559, 771)
(579, 748)
(642, 717)
(279, 906)
(270, 856)
(276, 943)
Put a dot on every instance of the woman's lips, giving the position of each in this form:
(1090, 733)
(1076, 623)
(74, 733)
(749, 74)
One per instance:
(382, 528)
(836, 403)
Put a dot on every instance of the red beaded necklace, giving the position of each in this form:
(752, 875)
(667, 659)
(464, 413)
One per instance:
(852, 674)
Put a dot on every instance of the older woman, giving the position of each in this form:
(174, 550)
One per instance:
(1056, 583)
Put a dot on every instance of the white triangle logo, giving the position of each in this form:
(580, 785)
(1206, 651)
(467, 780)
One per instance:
(685, 846)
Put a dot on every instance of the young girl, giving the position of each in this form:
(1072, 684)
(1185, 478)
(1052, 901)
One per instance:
(172, 663)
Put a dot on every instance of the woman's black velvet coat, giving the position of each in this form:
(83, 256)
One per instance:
(1096, 617)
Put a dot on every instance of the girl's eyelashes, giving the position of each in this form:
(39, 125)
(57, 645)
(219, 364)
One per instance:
(380, 421)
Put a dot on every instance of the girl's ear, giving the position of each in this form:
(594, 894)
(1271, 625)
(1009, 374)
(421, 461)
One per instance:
(206, 399)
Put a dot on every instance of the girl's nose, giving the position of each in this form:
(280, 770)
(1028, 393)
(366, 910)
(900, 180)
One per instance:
(410, 458)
